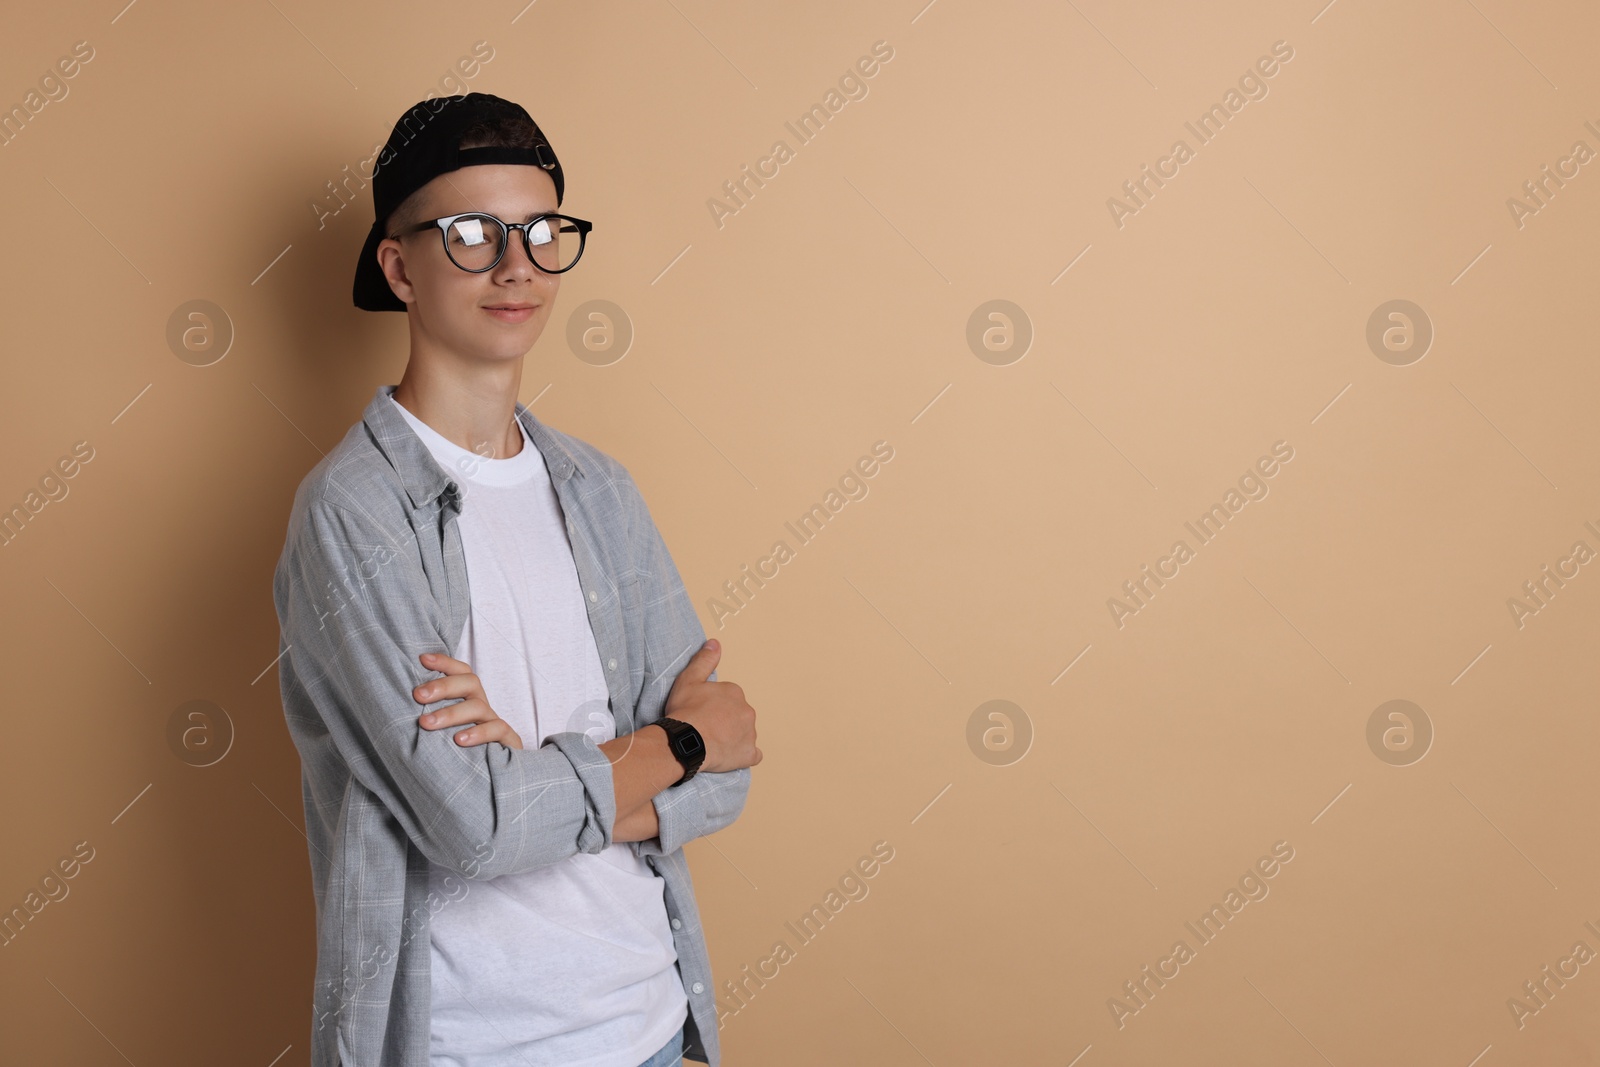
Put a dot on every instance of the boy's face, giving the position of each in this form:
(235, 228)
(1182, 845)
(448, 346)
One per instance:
(448, 305)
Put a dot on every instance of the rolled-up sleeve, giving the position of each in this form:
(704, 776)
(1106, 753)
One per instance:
(356, 611)
(673, 634)
(702, 805)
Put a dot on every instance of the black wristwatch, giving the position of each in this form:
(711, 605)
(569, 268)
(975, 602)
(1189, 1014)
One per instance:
(686, 744)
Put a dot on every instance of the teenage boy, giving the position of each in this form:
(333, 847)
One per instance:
(481, 901)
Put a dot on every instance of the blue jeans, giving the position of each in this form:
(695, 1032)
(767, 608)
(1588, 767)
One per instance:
(670, 1054)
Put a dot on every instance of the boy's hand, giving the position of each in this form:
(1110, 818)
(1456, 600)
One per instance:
(473, 710)
(727, 724)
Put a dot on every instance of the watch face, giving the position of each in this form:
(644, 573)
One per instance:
(690, 744)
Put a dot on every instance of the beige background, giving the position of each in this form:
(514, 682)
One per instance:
(830, 312)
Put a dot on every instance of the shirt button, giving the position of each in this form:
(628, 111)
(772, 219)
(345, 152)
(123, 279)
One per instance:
(611, 663)
(698, 987)
(677, 923)
(593, 596)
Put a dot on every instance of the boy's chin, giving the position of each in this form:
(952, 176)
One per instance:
(509, 345)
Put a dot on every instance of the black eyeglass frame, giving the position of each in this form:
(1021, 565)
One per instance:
(580, 226)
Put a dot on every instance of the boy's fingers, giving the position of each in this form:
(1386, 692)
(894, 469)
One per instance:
(438, 661)
(434, 689)
(703, 662)
(493, 730)
(453, 685)
(462, 711)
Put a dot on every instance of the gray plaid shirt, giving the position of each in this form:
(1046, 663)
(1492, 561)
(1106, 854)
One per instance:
(371, 576)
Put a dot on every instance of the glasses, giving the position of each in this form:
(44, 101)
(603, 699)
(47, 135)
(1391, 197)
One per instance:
(476, 241)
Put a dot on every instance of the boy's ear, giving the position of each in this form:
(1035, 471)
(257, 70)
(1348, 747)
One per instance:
(391, 257)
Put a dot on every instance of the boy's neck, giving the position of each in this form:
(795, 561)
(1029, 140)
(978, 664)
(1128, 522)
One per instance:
(476, 412)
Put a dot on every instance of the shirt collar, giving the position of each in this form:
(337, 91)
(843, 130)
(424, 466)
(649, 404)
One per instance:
(421, 474)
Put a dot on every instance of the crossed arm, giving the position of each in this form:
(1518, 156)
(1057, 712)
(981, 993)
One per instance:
(642, 764)
(464, 802)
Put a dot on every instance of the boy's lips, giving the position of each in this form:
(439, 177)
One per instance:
(512, 312)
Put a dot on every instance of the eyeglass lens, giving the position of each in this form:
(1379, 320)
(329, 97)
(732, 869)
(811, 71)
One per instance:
(475, 242)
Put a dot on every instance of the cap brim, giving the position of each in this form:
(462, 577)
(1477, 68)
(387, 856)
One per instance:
(371, 291)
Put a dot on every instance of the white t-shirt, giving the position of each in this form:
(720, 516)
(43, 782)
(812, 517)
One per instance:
(572, 964)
